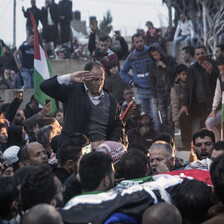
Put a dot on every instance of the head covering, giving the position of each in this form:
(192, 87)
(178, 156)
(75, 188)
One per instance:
(115, 149)
(6, 165)
(10, 154)
(144, 114)
(15, 135)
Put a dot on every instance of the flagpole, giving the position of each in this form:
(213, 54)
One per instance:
(222, 116)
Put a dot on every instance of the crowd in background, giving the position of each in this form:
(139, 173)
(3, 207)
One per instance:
(97, 157)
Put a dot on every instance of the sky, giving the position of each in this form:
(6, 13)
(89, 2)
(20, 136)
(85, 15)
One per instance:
(128, 15)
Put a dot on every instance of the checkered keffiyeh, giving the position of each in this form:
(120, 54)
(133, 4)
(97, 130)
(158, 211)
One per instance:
(115, 149)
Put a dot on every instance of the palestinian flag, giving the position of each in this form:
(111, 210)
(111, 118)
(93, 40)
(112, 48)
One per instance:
(127, 113)
(42, 68)
(1, 50)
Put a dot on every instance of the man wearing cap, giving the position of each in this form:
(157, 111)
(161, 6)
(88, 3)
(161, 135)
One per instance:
(6, 169)
(144, 133)
(88, 108)
(10, 155)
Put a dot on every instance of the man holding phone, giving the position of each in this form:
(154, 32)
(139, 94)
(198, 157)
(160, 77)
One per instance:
(120, 46)
(103, 53)
(199, 91)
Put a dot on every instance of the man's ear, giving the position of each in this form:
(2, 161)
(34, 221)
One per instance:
(172, 162)
(106, 181)
(21, 164)
(69, 164)
(14, 205)
(53, 202)
(147, 170)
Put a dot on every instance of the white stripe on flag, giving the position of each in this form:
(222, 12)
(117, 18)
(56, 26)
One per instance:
(41, 65)
(222, 97)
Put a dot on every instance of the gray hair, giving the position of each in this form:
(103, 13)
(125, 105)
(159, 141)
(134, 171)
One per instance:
(162, 144)
(43, 135)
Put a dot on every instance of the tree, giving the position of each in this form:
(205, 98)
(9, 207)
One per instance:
(105, 26)
(208, 18)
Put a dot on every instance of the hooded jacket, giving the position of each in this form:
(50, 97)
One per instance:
(139, 63)
(162, 79)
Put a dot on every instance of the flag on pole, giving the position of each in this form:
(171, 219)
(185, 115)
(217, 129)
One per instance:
(1, 50)
(42, 68)
(222, 117)
(127, 113)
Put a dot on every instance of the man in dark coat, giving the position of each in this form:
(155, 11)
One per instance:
(144, 133)
(162, 75)
(198, 92)
(88, 109)
(65, 12)
(50, 20)
(36, 13)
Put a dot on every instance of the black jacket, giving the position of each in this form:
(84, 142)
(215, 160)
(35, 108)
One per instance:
(209, 82)
(36, 13)
(7, 61)
(77, 109)
(65, 9)
(54, 11)
(162, 79)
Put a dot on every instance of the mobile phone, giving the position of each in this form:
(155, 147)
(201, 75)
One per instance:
(206, 58)
(18, 94)
(95, 24)
(47, 101)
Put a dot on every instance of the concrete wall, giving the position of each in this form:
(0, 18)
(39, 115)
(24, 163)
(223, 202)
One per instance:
(68, 66)
(8, 96)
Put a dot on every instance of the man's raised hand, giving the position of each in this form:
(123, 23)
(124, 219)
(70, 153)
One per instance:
(81, 76)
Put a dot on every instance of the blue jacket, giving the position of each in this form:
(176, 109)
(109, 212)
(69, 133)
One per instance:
(140, 65)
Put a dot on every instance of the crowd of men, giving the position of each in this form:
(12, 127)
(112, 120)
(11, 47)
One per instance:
(101, 158)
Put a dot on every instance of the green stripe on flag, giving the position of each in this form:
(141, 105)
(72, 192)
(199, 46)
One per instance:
(49, 66)
(1, 52)
(39, 95)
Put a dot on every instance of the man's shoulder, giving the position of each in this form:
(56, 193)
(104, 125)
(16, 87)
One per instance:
(133, 131)
(26, 45)
(135, 57)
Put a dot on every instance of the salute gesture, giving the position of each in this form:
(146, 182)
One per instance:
(81, 76)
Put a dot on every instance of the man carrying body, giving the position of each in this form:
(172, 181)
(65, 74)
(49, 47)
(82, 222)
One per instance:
(203, 142)
(34, 154)
(162, 158)
(139, 61)
(88, 108)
